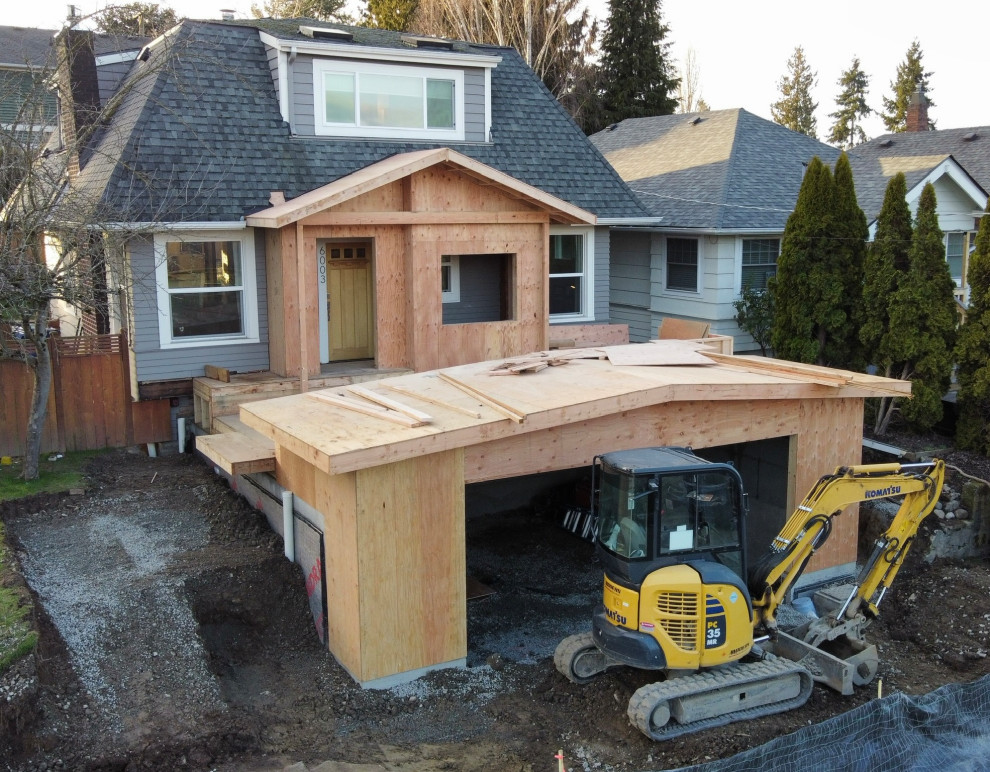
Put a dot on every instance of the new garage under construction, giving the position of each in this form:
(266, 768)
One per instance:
(385, 465)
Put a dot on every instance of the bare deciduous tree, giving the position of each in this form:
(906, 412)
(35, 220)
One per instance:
(688, 90)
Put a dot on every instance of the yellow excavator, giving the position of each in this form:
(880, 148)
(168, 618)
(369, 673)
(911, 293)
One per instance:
(671, 534)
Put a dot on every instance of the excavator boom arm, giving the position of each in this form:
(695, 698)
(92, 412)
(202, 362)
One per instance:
(810, 524)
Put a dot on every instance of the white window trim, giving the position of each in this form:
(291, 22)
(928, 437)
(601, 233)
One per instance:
(324, 129)
(739, 250)
(249, 289)
(588, 276)
(682, 293)
(454, 294)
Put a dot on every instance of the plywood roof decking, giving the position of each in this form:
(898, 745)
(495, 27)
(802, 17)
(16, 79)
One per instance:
(336, 440)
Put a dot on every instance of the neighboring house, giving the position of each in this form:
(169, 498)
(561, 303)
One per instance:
(721, 186)
(956, 161)
(24, 63)
(27, 61)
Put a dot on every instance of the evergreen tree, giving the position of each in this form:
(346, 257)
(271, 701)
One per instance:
(851, 101)
(754, 314)
(886, 269)
(805, 293)
(389, 14)
(324, 10)
(795, 108)
(911, 77)
(637, 74)
(923, 319)
(848, 256)
(973, 350)
(141, 19)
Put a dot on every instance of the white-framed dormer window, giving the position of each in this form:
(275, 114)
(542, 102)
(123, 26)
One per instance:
(365, 99)
(450, 278)
(682, 268)
(207, 293)
(572, 280)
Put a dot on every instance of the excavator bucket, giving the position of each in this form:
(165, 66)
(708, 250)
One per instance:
(842, 670)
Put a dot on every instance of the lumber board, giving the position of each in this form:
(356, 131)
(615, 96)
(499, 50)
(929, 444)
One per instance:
(506, 410)
(391, 404)
(339, 400)
(658, 353)
(432, 400)
(221, 374)
(237, 453)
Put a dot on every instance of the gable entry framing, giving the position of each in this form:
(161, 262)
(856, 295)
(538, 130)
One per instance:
(413, 209)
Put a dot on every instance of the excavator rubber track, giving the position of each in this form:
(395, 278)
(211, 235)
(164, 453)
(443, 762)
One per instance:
(690, 703)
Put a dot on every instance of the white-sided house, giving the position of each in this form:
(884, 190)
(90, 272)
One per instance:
(318, 195)
(720, 186)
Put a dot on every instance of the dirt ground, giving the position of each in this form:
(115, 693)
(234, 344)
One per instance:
(176, 636)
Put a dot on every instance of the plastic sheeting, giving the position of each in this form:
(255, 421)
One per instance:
(947, 730)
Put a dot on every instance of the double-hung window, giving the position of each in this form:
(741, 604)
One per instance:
(759, 262)
(682, 265)
(955, 245)
(572, 260)
(206, 289)
(377, 100)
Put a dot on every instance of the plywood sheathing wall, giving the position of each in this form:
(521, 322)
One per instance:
(380, 484)
(385, 529)
(412, 223)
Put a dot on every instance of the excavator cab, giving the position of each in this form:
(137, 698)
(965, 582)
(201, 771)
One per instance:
(664, 506)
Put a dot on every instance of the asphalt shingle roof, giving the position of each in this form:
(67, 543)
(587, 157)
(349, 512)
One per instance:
(201, 138)
(916, 153)
(724, 170)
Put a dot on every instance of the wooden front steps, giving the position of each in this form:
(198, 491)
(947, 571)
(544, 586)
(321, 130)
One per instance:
(237, 448)
(213, 399)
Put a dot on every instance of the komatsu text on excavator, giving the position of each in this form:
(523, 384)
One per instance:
(671, 533)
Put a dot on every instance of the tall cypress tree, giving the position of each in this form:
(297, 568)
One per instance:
(805, 294)
(795, 108)
(923, 318)
(886, 269)
(636, 71)
(973, 350)
(851, 101)
(911, 77)
(847, 256)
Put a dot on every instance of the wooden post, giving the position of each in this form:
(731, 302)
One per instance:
(300, 255)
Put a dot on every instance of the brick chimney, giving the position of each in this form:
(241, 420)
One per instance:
(917, 112)
(78, 90)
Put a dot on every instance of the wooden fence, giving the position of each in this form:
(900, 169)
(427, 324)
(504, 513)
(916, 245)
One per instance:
(89, 406)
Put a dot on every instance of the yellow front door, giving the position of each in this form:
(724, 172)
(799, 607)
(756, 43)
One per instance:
(350, 308)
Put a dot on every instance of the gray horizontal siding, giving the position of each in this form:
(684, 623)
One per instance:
(602, 275)
(639, 320)
(474, 105)
(302, 97)
(480, 301)
(153, 363)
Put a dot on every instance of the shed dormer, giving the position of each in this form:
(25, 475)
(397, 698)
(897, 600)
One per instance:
(357, 83)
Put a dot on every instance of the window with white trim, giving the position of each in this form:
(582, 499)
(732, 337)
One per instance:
(759, 262)
(450, 278)
(955, 248)
(206, 289)
(681, 265)
(364, 99)
(572, 260)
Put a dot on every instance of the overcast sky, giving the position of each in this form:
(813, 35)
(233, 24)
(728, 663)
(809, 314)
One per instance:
(742, 48)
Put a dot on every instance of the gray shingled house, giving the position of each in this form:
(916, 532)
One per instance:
(720, 186)
(315, 194)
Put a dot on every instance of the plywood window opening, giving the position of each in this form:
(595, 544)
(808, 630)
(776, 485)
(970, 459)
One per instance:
(484, 287)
